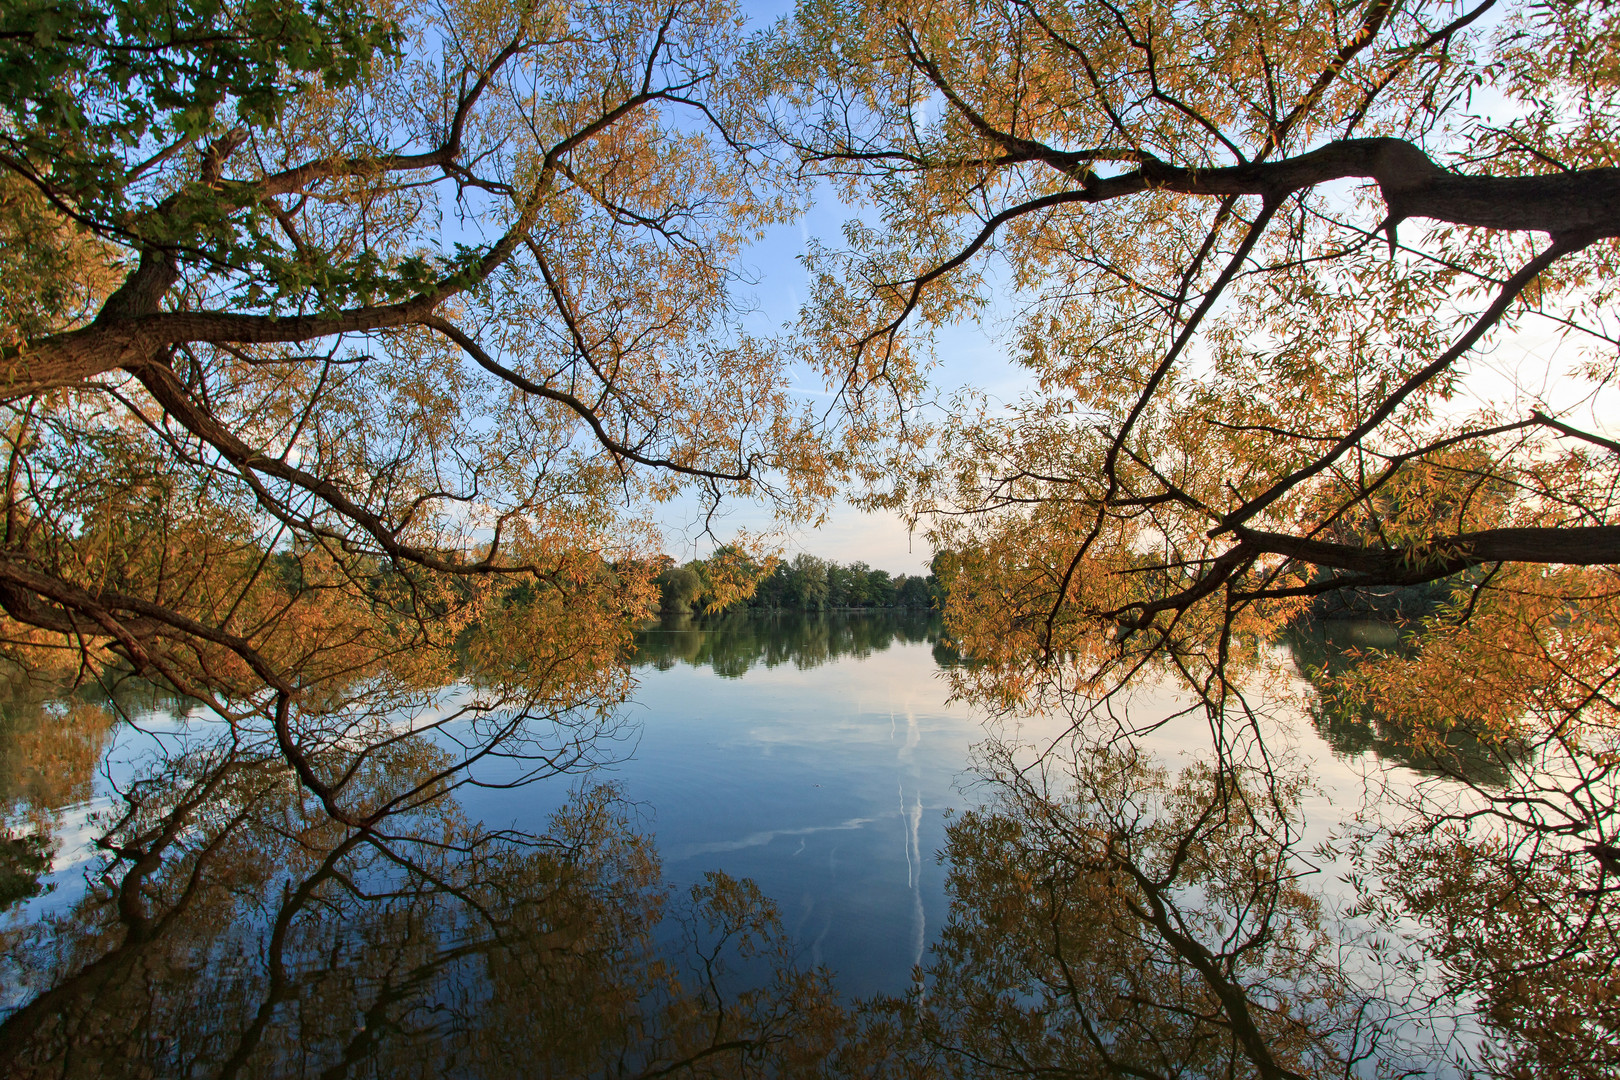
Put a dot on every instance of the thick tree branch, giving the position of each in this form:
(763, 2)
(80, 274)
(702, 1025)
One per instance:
(1441, 556)
(1586, 201)
(130, 334)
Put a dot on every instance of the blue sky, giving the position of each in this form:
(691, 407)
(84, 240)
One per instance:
(970, 354)
(966, 355)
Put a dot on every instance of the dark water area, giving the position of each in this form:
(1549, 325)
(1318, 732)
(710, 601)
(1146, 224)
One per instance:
(731, 644)
(740, 877)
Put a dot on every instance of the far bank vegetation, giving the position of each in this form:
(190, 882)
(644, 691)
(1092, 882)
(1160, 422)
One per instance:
(731, 581)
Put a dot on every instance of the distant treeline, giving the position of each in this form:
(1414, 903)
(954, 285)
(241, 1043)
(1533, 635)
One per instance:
(804, 583)
(730, 581)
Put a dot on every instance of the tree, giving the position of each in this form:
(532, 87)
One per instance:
(680, 587)
(1257, 247)
(841, 585)
(355, 339)
(807, 582)
(880, 588)
(1261, 254)
(913, 592)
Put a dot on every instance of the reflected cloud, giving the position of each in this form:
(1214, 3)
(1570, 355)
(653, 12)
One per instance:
(684, 852)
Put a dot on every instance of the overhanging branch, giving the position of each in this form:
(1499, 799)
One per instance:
(1441, 556)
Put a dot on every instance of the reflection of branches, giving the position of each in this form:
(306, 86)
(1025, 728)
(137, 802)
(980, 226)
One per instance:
(1108, 918)
(1507, 878)
(324, 947)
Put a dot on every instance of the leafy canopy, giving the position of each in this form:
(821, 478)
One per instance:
(358, 341)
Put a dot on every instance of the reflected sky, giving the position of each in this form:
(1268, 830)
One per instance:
(818, 756)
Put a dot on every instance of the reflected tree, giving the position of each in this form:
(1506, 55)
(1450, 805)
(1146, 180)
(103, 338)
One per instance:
(49, 751)
(1523, 928)
(421, 945)
(1110, 918)
(732, 644)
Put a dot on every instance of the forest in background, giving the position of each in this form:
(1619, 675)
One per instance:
(803, 583)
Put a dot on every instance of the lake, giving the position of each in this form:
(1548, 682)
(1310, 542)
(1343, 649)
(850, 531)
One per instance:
(817, 756)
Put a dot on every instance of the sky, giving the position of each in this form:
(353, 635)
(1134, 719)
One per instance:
(966, 355)
(1512, 373)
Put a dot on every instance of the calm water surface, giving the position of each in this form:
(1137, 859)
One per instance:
(816, 755)
(820, 756)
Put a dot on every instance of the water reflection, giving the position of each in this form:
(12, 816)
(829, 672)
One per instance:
(731, 644)
(1110, 916)
(1450, 911)
(422, 946)
(51, 744)
(1113, 904)
(824, 773)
